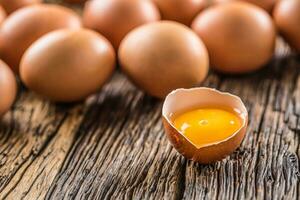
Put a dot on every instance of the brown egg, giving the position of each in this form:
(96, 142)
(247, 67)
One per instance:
(67, 65)
(214, 2)
(13, 5)
(267, 5)
(2, 14)
(75, 1)
(240, 37)
(8, 88)
(115, 18)
(287, 18)
(26, 25)
(182, 100)
(183, 11)
(162, 56)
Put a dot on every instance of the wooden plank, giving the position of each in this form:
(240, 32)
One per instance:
(113, 145)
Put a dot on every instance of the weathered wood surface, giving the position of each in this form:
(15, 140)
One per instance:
(113, 145)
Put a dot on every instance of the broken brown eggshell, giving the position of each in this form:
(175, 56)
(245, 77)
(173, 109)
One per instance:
(182, 100)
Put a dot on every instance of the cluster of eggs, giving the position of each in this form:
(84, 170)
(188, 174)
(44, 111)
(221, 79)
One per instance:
(65, 57)
(54, 56)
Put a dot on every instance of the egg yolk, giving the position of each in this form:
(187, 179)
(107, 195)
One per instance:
(207, 125)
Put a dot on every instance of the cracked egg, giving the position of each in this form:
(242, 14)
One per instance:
(203, 124)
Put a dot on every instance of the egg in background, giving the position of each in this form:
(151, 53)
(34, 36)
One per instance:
(267, 5)
(183, 11)
(162, 56)
(8, 88)
(287, 19)
(12, 5)
(26, 25)
(68, 65)
(2, 14)
(239, 36)
(115, 18)
(75, 1)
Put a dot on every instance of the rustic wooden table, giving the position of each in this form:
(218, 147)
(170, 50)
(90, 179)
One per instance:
(113, 145)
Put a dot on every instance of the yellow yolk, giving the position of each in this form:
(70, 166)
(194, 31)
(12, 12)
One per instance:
(207, 125)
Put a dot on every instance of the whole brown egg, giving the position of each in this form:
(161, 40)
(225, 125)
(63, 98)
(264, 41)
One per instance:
(183, 11)
(267, 5)
(28, 24)
(8, 88)
(67, 65)
(240, 37)
(13, 5)
(115, 18)
(75, 1)
(163, 56)
(2, 14)
(287, 19)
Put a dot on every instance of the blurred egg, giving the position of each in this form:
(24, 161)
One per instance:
(214, 2)
(75, 1)
(13, 5)
(162, 56)
(115, 18)
(26, 25)
(8, 88)
(67, 65)
(267, 5)
(287, 19)
(183, 11)
(182, 100)
(240, 37)
(2, 14)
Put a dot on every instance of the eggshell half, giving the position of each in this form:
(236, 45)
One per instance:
(182, 100)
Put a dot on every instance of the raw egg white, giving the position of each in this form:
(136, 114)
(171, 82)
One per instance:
(26, 25)
(13, 5)
(287, 18)
(183, 11)
(115, 18)
(68, 65)
(182, 100)
(8, 88)
(239, 36)
(162, 56)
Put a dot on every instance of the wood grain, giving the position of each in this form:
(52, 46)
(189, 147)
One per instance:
(113, 146)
